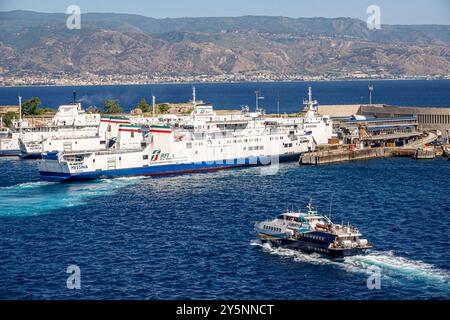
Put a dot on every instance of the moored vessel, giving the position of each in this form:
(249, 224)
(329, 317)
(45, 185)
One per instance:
(200, 142)
(69, 122)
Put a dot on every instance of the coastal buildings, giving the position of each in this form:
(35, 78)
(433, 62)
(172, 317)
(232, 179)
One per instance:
(427, 118)
(63, 79)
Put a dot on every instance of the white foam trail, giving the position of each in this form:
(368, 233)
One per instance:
(394, 265)
(391, 265)
(296, 255)
(26, 185)
(35, 198)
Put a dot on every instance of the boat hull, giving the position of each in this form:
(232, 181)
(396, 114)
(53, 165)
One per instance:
(30, 155)
(156, 170)
(315, 247)
(9, 153)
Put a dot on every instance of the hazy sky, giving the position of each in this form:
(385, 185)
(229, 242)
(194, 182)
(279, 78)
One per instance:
(392, 12)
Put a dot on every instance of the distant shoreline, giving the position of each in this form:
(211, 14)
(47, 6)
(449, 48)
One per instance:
(218, 82)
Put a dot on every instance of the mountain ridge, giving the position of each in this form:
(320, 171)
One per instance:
(129, 44)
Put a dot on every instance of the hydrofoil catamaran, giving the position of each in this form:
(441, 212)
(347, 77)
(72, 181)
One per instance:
(312, 233)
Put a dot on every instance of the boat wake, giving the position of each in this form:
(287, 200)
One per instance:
(391, 266)
(394, 266)
(36, 198)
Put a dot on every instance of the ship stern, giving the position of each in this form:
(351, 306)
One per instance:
(52, 169)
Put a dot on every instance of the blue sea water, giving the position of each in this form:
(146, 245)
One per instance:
(191, 236)
(431, 93)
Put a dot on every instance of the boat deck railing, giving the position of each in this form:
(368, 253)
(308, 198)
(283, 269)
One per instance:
(100, 152)
(117, 151)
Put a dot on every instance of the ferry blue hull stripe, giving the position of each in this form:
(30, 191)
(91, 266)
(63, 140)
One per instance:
(153, 170)
(9, 152)
(30, 155)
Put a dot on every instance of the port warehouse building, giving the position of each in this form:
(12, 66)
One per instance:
(428, 118)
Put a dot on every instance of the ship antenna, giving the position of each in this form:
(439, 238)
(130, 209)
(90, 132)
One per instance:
(278, 104)
(310, 104)
(20, 114)
(310, 204)
(258, 97)
(194, 96)
(74, 96)
(153, 105)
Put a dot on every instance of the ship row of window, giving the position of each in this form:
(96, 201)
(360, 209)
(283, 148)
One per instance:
(317, 249)
(274, 229)
(251, 148)
(189, 144)
(286, 145)
(313, 237)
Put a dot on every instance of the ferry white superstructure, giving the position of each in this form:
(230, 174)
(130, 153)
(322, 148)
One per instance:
(202, 141)
(105, 138)
(70, 121)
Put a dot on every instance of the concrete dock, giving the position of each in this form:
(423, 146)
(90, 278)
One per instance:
(404, 152)
(343, 154)
(425, 153)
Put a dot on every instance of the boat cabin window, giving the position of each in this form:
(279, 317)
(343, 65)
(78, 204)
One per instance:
(288, 218)
(74, 158)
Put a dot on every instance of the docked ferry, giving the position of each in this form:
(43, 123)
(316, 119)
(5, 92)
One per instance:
(200, 142)
(312, 233)
(105, 137)
(70, 121)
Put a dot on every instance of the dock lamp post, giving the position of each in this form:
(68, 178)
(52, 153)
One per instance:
(370, 87)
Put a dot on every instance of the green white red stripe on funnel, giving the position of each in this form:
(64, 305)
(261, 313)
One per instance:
(160, 129)
(129, 128)
(117, 120)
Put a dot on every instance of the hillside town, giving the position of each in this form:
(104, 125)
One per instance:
(62, 79)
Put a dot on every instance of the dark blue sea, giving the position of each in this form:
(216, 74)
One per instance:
(191, 236)
(426, 93)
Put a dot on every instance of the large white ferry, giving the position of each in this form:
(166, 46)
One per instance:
(70, 121)
(202, 141)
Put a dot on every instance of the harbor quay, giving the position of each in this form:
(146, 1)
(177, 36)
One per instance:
(378, 131)
(341, 154)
